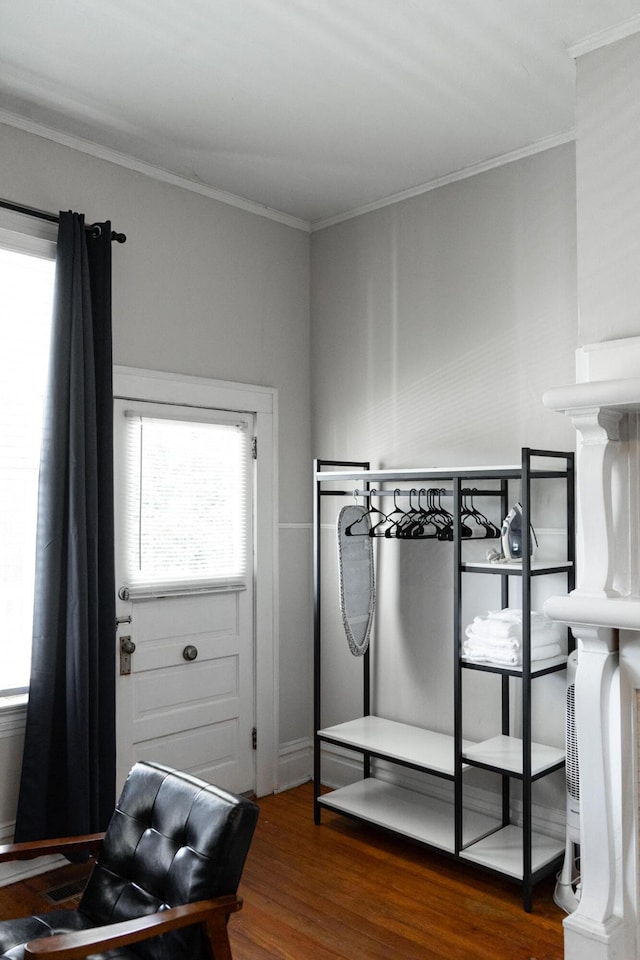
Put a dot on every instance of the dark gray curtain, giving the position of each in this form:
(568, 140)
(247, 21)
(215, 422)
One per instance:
(68, 770)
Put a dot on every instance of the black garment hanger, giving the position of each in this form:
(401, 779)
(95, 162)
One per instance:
(412, 524)
(471, 512)
(350, 531)
(392, 518)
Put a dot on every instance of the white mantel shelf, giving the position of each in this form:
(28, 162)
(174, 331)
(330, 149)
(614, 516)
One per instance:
(622, 613)
(621, 395)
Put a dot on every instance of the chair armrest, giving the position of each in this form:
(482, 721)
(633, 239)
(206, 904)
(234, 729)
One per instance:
(67, 946)
(92, 842)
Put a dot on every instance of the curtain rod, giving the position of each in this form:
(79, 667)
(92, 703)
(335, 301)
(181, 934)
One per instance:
(53, 218)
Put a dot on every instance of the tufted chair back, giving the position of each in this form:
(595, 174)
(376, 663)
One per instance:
(172, 840)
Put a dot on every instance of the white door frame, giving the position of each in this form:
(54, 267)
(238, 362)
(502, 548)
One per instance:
(136, 384)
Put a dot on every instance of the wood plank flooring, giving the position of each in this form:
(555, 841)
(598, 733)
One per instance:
(347, 891)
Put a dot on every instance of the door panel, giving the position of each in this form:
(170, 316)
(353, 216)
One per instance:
(196, 715)
(207, 752)
(167, 689)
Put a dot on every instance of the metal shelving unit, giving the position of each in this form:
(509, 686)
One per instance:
(492, 842)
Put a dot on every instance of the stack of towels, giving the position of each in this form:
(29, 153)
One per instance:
(497, 638)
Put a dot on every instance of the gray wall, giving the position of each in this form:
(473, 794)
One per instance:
(200, 288)
(608, 191)
(437, 325)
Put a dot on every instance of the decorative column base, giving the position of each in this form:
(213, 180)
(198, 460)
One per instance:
(586, 939)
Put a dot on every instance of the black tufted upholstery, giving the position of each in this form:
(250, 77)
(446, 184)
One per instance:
(172, 840)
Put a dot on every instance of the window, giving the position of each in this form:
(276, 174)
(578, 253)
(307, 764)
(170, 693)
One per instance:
(186, 505)
(26, 293)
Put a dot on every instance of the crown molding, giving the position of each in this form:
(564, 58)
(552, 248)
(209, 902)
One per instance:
(538, 147)
(596, 40)
(156, 173)
(149, 170)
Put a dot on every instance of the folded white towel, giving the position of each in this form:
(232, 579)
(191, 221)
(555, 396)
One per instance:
(514, 615)
(496, 626)
(483, 654)
(486, 653)
(539, 637)
(485, 626)
(499, 643)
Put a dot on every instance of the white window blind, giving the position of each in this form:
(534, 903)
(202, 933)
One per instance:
(186, 506)
(26, 292)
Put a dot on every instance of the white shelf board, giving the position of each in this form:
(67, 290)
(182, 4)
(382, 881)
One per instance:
(505, 753)
(509, 471)
(398, 741)
(402, 474)
(406, 812)
(502, 851)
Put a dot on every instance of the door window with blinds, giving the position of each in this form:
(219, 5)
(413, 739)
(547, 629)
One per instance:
(187, 505)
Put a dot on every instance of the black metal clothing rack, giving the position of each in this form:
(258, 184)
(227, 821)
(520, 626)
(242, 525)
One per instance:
(333, 479)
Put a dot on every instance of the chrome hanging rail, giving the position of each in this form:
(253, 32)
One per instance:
(54, 218)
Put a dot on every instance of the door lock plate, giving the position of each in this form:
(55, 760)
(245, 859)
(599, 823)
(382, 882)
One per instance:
(127, 647)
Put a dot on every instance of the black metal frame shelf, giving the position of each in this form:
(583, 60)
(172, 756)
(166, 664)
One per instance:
(511, 570)
(492, 843)
(553, 665)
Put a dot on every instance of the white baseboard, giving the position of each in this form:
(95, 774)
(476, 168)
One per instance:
(295, 763)
(18, 870)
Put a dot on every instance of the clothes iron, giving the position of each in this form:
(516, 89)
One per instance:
(512, 536)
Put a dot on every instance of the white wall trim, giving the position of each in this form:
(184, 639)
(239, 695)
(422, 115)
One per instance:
(13, 719)
(295, 763)
(149, 170)
(339, 766)
(135, 384)
(538, 147)
(131, 163)
(16, 235)
(166, 387)
(602, 39)
(14, 871)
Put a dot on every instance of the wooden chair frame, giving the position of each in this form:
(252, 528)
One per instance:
(212, 915)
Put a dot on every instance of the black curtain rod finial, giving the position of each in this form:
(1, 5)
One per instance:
(96, 230)
(53, 218)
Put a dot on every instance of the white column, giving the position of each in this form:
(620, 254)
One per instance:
(595, 931)
(603, 925)
(599, 432)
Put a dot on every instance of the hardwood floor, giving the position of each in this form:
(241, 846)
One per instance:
(346, 891)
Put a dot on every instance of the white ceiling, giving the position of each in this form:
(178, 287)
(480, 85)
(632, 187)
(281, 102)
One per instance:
(314, 108)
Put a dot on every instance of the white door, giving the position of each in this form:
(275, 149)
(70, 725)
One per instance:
(184, 575)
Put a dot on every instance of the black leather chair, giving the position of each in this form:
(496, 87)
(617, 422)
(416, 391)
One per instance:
(164, 881)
